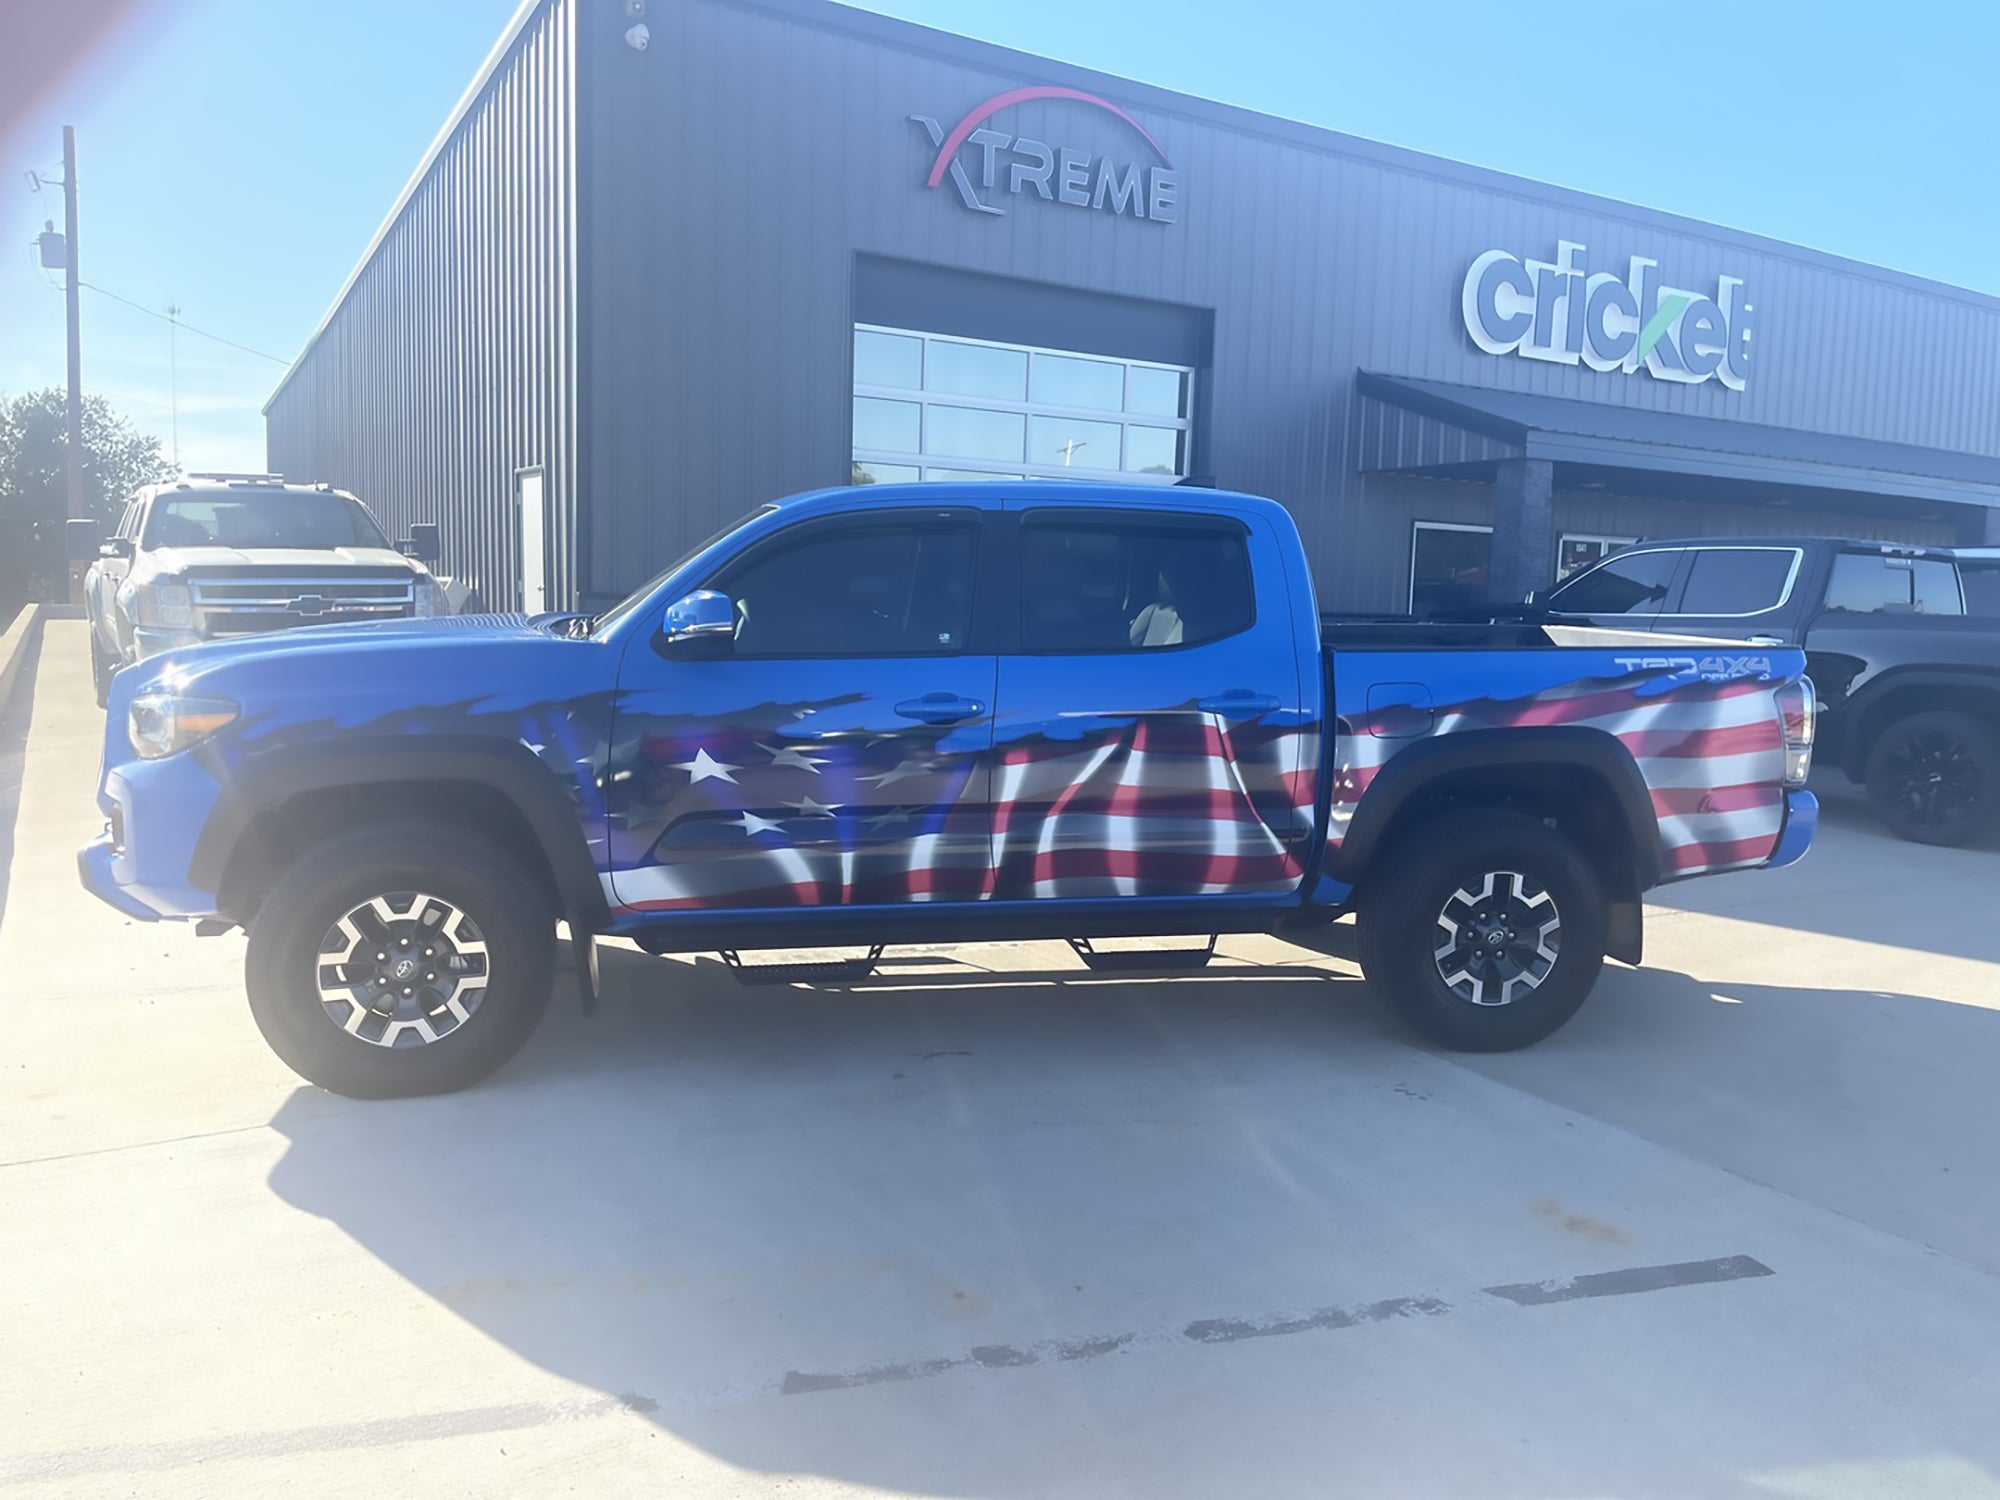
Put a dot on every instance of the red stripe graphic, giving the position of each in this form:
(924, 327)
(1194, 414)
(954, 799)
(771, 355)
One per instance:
(962, 131)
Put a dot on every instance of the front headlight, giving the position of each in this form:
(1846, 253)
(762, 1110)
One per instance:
(163, 603)
(163, 723)
(430, 600)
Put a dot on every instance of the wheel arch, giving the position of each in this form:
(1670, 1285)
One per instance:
(1582, 780)
(280, 804)
(1909, 691)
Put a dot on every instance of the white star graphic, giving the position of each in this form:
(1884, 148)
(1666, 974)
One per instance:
(751, 824)
(894, 815)
(785, 755)
(812, 809)
(903, 772)
(705, 767)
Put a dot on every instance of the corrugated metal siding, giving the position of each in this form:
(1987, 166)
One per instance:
(1602, 513)
(450, 362)
(741, 164)
(1388, 437)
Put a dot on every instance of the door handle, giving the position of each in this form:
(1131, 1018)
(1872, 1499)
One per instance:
(940, 708)
(1237, 703)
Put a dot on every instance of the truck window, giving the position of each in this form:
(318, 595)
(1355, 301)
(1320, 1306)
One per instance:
(1148, 583)
(283, 520)
(898, 588)
(1982, 586)
(1631, 583)
(1871, 584)
(1738, 580)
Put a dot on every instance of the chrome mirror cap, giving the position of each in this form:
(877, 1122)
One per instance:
(704, 615)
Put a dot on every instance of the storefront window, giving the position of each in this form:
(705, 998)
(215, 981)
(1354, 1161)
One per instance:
(1449, 566)
(946, 408)
(1578, 550)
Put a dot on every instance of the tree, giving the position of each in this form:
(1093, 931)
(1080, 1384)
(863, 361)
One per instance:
(34, 485)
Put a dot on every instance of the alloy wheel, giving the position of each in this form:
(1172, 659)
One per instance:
(1498, 941)
(402, 970)
(1933, 780)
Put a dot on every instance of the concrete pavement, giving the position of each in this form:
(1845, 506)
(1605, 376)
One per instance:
(990, 1226)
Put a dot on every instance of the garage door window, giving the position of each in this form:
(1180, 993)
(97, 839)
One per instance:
(936, 408)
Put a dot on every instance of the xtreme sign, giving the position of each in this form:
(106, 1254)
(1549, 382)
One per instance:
(1564, 312)
(984, 164)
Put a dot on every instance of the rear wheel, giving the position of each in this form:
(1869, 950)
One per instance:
(400, 960)
(1487, 931)
(1935, 777)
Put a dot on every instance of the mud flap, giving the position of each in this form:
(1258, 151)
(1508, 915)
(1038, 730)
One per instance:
(1625, 930)
(583, 953)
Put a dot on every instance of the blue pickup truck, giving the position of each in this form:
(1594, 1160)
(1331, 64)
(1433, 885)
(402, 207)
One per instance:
(926, 714)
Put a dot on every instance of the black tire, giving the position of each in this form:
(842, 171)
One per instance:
(1935, 778)
(101, 668)
(501, 907)
(1523, 996)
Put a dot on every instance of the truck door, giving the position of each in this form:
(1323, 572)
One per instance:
(836, 750)
(1738, 591)
(1151, 702)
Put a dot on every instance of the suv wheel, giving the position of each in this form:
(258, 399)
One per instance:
(397, 960)
(1935, 778)
(1486, 934)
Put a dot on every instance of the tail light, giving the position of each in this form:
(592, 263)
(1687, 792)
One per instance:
(1798, 712)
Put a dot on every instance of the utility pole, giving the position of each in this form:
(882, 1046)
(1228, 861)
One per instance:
(174, 379)
(77, 504)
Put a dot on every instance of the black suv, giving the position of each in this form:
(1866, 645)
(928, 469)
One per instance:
(1903, 644)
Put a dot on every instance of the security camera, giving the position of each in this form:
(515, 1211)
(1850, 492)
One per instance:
(638, 37)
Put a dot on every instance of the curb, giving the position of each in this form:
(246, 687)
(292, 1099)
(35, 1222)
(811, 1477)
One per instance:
(14, 647)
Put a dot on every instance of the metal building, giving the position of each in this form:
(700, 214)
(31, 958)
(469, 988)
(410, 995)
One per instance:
(671, 258)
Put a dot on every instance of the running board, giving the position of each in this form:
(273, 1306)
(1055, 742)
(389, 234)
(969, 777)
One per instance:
(818, 971)
(1141, 960)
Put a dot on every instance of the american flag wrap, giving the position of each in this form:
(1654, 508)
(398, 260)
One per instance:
(1711, 753)
(1160, 803)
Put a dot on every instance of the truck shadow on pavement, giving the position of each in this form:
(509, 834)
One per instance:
(819, 1233)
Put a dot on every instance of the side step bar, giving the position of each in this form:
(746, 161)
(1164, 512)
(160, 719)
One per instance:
(1141, 960)
(818, 971)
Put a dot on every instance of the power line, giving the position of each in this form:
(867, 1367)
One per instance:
(218, 338)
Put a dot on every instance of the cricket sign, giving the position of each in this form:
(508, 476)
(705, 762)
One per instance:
(987, 166)
(1565, 312)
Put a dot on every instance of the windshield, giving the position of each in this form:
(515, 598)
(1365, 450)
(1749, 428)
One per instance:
(318, 519)
(624, 607)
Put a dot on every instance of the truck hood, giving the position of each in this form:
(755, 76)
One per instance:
(455, 674)
(402, 662)
(302, 559)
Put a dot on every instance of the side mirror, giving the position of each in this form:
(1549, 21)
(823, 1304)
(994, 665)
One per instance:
(703, 618)
(82, 539)
(117, 546)
(423, 543)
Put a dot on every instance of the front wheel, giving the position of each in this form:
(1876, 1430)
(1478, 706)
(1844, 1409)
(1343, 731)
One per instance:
(1935, 778)
(397, 960)
(1486, 931)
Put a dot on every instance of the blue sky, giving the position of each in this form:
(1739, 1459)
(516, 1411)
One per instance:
(237, 155)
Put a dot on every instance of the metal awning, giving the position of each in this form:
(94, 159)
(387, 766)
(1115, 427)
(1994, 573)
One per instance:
(1430, 426)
